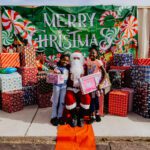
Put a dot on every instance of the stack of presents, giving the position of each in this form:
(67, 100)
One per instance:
(130, 86)
(26, 86)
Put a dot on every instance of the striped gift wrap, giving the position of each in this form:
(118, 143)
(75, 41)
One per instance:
(142, 61)
(9, 60)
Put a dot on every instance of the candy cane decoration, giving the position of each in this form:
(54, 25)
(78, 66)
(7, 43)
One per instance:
(122, 42)
(7, 38)
(133, 40)
(10, 21)
(130, 26)
(35, 44)
(29, 27)
(28, 31)
(13, 22)
(122, 8)
(52, 57)
(105, 14)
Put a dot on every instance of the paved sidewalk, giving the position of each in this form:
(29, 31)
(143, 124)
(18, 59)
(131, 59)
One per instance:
(33, 121)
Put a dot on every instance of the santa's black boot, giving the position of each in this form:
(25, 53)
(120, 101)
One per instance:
(80, 120)
(73, 121)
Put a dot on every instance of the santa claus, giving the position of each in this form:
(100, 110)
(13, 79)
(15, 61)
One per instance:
(74, 97)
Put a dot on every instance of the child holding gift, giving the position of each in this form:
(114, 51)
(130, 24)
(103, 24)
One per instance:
(95, 65)
(59, 91)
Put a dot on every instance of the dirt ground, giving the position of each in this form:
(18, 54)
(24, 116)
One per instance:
(48, 143)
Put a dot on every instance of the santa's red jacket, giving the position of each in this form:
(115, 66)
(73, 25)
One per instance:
(74, 96)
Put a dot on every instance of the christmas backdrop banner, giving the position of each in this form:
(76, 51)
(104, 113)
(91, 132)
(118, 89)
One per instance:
(59, 29)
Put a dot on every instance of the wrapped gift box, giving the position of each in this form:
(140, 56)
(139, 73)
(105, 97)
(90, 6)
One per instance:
(101, 104)
(120, 67)
(141, 73)
(90, 82)
(29, 75)
(9, 60)
(28, 56)
(118, 103)
(142, 61)
(141, 100)
(124, 59)
(42, 85)
(43, 100)
(12, 101)
(29, 95)
(131, 93)
(116, 78)
(55, 78)
(10, 82)
(120, 78)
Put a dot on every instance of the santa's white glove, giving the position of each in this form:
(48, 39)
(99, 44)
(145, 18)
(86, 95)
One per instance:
(76, 83)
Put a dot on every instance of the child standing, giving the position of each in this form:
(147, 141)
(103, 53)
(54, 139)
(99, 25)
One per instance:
(59, 91)
(94, 65)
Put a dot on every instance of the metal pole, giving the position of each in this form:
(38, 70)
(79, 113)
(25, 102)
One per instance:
(0, 30)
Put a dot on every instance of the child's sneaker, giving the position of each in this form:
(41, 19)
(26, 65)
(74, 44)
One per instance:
(54, 121)
(98, 118)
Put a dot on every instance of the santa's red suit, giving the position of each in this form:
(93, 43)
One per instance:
(74, 96)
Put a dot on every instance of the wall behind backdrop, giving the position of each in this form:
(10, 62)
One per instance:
(75, 2)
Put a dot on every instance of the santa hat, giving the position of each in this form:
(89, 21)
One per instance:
(78, 54)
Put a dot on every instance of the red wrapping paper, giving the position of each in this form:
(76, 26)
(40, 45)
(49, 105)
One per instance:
(118, 103)
(29, 76)
(43, 100)
(120, 67)
(12, 101)
(28, 56)
(142, 61)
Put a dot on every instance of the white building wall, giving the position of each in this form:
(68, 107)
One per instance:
(76, 2)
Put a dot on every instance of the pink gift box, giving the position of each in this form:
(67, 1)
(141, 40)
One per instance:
(89, 83)
(55, 78)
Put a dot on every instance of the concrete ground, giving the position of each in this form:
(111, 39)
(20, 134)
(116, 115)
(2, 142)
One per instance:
(32, 121)
(30, 129)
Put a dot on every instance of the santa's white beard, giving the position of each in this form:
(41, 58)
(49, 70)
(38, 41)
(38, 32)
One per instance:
(76, 71)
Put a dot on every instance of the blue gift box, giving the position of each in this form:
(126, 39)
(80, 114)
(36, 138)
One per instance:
(141, 101)
(30, 95)
(141, 73)
(125, 59)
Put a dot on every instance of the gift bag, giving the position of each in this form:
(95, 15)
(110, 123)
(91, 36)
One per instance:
(105, 81)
